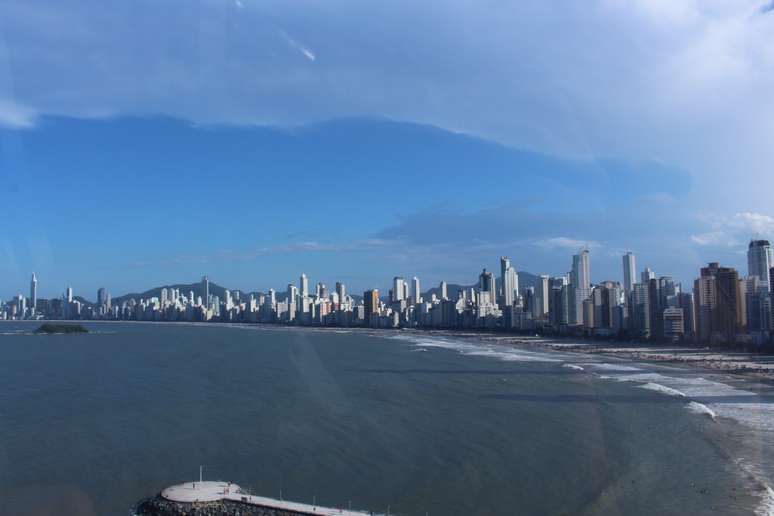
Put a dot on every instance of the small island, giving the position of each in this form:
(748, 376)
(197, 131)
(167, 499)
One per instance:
(61, 328)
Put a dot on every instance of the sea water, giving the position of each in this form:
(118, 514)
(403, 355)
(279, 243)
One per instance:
(90, 424)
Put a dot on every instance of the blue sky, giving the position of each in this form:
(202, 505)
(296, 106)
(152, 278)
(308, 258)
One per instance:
(151, 142)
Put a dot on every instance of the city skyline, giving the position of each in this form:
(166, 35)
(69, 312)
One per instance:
(721, 306)
(578, 274)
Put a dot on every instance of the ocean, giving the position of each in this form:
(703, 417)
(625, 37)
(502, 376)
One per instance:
(401, 421)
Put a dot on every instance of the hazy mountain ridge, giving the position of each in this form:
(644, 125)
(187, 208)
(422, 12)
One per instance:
(526, 279)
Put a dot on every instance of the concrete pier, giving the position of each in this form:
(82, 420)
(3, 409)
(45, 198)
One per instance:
(223, 498)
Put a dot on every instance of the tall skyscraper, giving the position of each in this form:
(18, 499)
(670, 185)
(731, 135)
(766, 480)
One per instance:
(443, 290)
(558, 301)
(371, 303)
(540, 306)
(206, 290)
(580, 277)
(629, 274)
(580, 286)
(69, 294)
(303, 286)
(398, 289)
(33, 293)
(487, 287)
(647, 275)
(510, 283)
(416, 289)
(759, 260)
(718, 302)
(102, 296)
(341, 290)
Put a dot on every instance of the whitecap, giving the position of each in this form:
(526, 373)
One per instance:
(662, 389)
(701, 408)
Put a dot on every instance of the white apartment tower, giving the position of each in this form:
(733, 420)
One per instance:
(629, 274)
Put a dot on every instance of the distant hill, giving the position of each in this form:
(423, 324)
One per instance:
(526, 279)
(185, 288)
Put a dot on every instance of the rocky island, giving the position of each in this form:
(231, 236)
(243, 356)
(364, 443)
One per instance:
(61, 328)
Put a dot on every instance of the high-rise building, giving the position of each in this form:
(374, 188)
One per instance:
(444, 294)
(69, 294)
(580, 286)
(640, 309)
(486, 288)
(673, 323)
(540, 307)
(341, 290)
(647, 275)
(656, 309)
(759, 260)
(510, 283)
(728, 316)
(371, 303)
(102, 296)
(21, 306)
(33, 293)
(206, 290)
(292, 293)
(303, 286)
(416, 289)
(687, 303)
(580, 277)
(718, 303)
(398, 289)
(629, 274)
(558, 301)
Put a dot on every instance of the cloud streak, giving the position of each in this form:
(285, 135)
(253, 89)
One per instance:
(14, 115)
(298, 46)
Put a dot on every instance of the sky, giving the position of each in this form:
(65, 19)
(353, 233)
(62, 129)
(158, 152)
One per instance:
(151, 142)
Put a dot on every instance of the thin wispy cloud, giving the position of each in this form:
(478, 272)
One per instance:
(298, 46)
(15, 115)
(246, 255)
(567, 243)
(735, 230)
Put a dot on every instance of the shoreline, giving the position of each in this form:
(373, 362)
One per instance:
(743, 364)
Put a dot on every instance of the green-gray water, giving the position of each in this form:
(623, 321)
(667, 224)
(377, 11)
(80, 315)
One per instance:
(90, 424)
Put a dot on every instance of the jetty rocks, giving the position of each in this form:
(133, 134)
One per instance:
(158, 506)
(207, 498)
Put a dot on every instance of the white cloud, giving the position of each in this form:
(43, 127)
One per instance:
(567, 243)
(735, 230)
(298, 46)
(15, 115)
(686, 82)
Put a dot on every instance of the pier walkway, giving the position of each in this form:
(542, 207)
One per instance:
(208, 491)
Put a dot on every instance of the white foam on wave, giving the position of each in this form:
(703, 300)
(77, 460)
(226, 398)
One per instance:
(715, 397)
(701, 408)
(766, 507)
(573, 367)
(662, 389)
(603, 366)
(501, 352)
